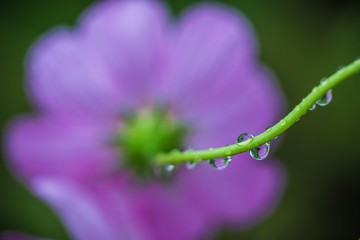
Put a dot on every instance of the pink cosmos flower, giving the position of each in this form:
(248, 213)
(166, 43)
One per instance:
(98, 87)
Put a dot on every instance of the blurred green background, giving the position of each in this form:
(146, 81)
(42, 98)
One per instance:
(301, 41)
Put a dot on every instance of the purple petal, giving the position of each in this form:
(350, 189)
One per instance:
(165, 212)
(55, 146)
(128, 35)
(214, 81)
(90, 213)
(240, 195)
(65, 76)
(209, 45)
(122, 209)
(123, 51)
(248, 106)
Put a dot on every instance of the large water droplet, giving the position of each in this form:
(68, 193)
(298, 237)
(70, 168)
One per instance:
(325, 99)
(312, 108)
(190, 165)
(244, 137)
(260, 152)
(220, 163)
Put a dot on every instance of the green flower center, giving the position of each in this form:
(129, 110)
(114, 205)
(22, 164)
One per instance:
(145, 134)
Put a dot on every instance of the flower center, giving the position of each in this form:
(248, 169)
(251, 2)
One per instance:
(145, 134)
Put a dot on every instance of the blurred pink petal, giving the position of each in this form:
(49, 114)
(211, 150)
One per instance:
(128, 55)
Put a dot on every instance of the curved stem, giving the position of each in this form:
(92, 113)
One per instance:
(176, 157)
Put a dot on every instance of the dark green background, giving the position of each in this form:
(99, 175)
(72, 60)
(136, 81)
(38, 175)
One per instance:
(301, 41)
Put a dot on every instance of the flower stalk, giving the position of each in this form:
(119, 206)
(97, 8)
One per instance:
(177, 157)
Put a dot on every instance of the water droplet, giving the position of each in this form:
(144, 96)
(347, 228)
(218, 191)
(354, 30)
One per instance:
(323, 81)
(164, 171)
(312, 108)
(260, 152)
(220, 163)
(190, 165)
(282, 122)
(244, 137)
(169, 168)
(325, 99)
(267, 129)
(297, 108)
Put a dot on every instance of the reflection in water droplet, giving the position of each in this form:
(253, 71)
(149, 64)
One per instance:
(312, 108)
(220, 163)
(260, 152)
(244, 137)
(325, 99)
(190, 165)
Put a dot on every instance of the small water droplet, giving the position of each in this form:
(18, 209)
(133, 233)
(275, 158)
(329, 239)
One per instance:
(297, 108)
(190, 165)
(282, 122)
(164, 171)
(260, 152)
(244, 137)
(325, 99)
(169, 168)
(323, 81)
(312, 108)
(220, 163)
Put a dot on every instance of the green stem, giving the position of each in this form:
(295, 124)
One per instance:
(176, 157)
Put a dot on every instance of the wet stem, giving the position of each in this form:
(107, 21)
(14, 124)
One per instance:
(177, 157)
